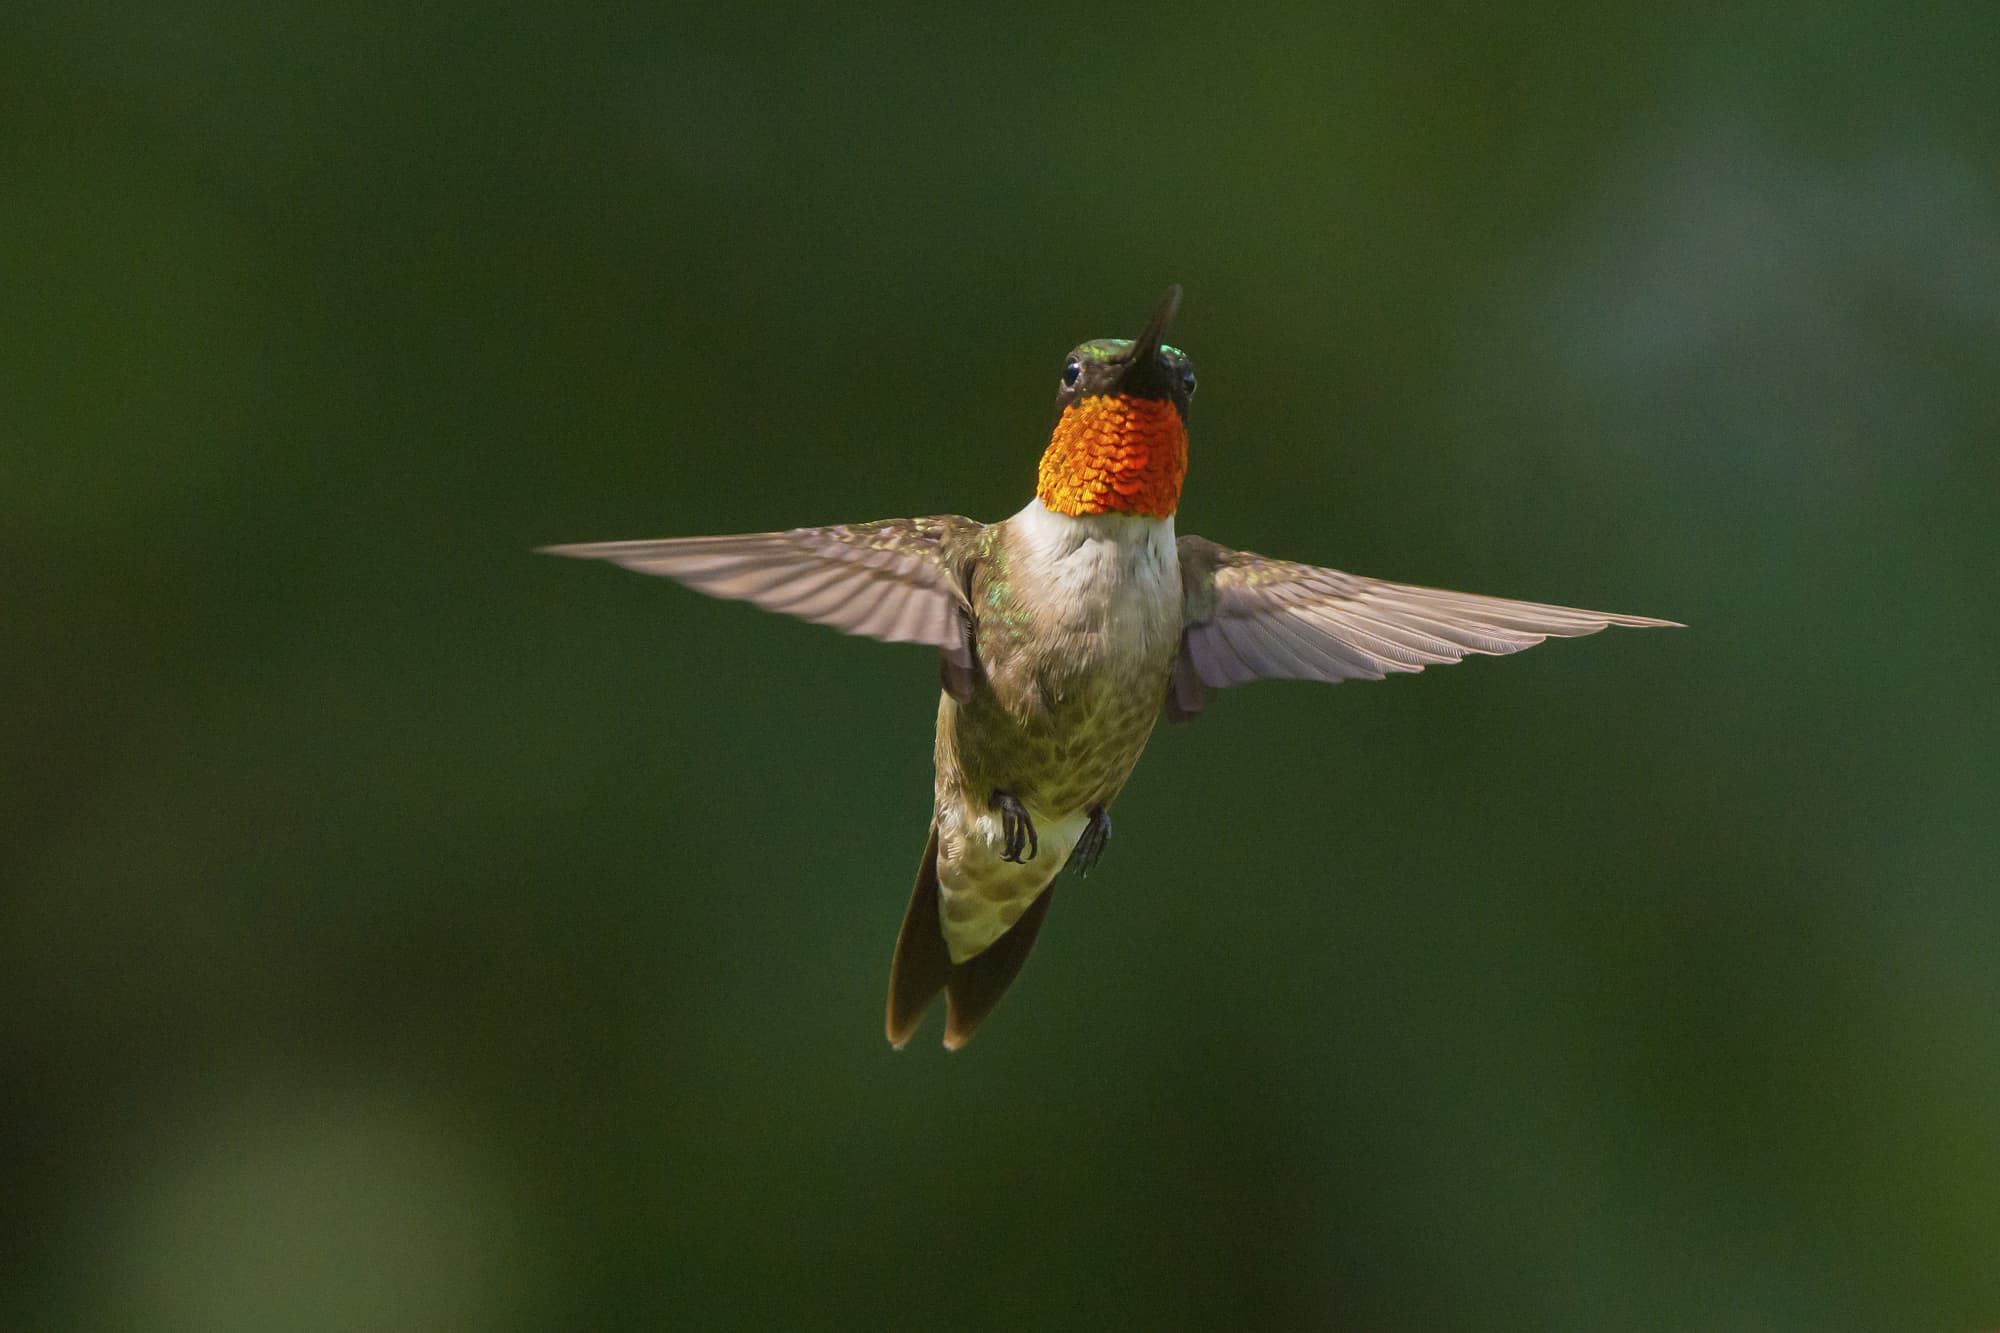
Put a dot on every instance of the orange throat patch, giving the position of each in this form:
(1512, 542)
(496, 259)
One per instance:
(1114, 454)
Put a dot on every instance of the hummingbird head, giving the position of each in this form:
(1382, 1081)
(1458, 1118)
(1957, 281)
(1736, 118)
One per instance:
(1120, 440)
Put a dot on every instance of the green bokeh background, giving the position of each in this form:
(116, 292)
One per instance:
(402, 931)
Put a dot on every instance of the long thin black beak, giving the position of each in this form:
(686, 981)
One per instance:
(1145, 353)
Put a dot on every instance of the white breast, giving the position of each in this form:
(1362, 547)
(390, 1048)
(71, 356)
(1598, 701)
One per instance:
(1118, 571)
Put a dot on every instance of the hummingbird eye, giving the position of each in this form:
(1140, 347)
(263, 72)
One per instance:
(1072, 373)
(1187, 382)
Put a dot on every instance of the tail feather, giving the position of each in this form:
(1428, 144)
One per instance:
(977, 984)
(923, 965)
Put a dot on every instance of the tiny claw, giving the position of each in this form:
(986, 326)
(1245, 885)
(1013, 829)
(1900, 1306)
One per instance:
(1016, 827)
(1090, 843)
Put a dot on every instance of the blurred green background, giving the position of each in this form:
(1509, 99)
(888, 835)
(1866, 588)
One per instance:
(403, 931)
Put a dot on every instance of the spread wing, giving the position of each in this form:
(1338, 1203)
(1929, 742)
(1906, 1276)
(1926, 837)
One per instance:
(1247, 617)
(900, 579)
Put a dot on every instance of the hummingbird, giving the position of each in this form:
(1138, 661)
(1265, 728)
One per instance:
(1063, 634)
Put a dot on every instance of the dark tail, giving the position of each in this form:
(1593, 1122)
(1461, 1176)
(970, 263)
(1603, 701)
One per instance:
(923, 965)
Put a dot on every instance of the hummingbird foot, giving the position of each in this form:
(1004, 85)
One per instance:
(1090, 844)
(1018, 829)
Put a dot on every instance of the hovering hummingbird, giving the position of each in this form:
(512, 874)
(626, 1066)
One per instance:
(1064, 632)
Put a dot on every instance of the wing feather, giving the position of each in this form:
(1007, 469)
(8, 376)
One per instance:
(1247, 617)
(1215, 662)
(872, 611)
(902, 580)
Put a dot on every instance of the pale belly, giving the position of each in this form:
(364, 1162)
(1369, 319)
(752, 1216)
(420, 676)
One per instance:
(1059, 724)
(1061, 775)
(980, 896)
